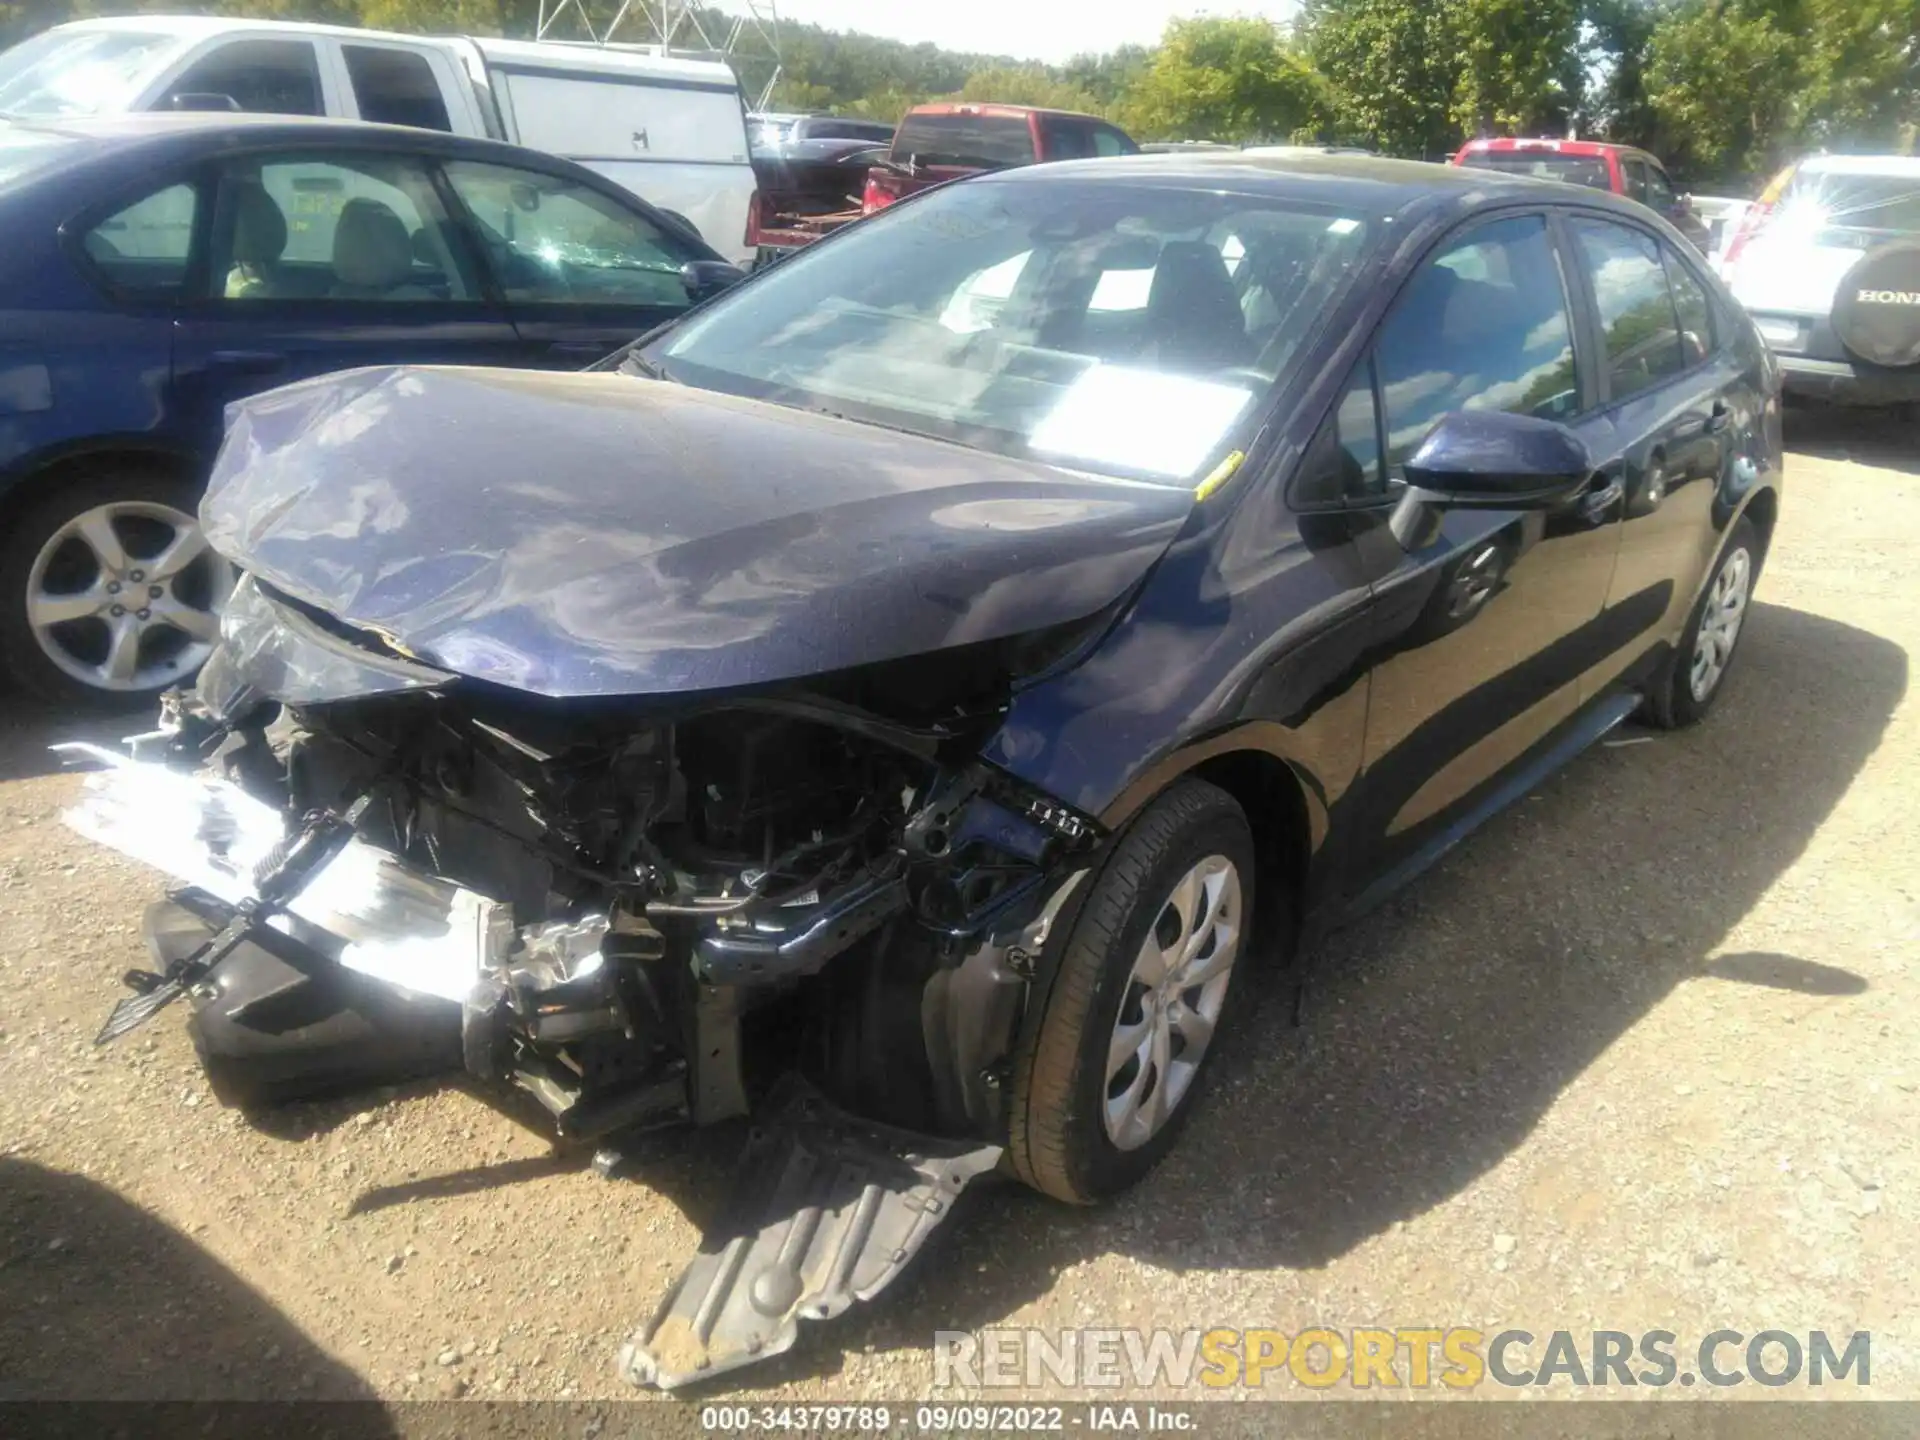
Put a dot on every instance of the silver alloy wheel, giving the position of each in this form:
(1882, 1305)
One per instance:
(126, 596)
(1720, 622)
(1172, 1002)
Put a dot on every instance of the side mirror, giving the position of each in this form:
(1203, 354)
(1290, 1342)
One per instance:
(1490, 460)
(706, 278)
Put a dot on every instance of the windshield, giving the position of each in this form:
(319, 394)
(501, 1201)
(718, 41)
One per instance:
(80, 72)
(1125, 328)
(1587, 170)
(1822, 199)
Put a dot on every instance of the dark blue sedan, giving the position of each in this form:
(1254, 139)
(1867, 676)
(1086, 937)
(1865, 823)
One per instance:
(155, 268)
(917, 700)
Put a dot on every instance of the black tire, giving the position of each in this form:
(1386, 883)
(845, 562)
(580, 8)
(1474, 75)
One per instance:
(1058, 1140)
(26, 531)
(1673, 705)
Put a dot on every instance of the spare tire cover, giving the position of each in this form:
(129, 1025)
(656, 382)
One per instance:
(1876, 312)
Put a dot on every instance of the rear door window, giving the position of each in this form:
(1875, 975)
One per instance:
(985, 141)
(396, 87)
(1691, 308)
(273, 77)
(1484, 326)
(346, 227)
(1636, 306)
(145, 249)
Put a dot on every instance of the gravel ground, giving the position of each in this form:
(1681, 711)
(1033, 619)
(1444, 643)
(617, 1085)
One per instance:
(1639, 1055)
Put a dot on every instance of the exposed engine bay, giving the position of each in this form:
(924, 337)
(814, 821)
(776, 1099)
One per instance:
(640, 915)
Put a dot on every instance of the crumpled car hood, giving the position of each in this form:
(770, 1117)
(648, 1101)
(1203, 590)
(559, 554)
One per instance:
(598, 534)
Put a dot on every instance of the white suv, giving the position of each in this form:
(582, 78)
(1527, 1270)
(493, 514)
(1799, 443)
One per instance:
(1827, 262)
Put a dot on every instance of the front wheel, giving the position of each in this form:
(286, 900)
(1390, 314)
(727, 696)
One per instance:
(108, 592)
(1144, 986)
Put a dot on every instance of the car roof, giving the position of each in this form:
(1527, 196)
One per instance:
(199, 27)
(965, 107)
(1904, 166)
(147, 141)
(182, 130)
(1502, 144)
(1368, 184)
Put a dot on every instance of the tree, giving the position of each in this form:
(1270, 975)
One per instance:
(1392, 66)
(1520, 65)
(1726, 77)
(1224, 79)
(1028, 85)
(1863, 82)
(1615, 51)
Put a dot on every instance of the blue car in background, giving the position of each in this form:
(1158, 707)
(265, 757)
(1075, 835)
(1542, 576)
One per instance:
(155, 268)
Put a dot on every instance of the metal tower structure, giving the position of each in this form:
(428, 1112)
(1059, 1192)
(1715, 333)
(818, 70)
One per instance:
(743, 33)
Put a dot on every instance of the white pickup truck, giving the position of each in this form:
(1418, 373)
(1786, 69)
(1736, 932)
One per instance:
(670, 129)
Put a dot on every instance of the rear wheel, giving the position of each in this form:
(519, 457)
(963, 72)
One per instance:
(1143, 988)
(108, 592)
(1694, 678)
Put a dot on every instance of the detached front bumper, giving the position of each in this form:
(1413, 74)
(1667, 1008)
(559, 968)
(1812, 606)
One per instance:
(351, 971)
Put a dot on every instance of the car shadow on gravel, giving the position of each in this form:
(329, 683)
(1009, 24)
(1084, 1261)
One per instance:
(100, 1301)
(1887, 438)
(1441, 1028)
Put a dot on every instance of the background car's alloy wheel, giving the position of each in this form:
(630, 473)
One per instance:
(111, 592)
(1697, 673)
(1126, 1018)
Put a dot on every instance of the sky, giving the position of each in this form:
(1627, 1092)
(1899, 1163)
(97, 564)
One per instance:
(1050, 30)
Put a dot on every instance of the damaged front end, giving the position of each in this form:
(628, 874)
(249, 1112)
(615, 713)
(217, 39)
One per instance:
(809, 903)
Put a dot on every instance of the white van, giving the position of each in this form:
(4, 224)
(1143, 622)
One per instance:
(670, 129)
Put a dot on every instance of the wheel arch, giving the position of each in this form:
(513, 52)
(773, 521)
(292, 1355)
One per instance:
(1283, 803)
(1764, 511)
(26, 480)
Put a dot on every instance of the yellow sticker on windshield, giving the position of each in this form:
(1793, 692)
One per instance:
(1222, 473)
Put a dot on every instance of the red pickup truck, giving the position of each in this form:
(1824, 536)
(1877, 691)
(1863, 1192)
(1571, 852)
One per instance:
(934, 144)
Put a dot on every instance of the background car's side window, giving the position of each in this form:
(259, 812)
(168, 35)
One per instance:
(1636, 308)
(553, 240)
(144, 249)
(395, 87)
(1635, 174)
(1659, 190)
(334, 227)
(1484, 326)
(1692, 308)
(274, 77)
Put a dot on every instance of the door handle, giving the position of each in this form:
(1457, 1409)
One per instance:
(248, 362)
(1719, 417)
